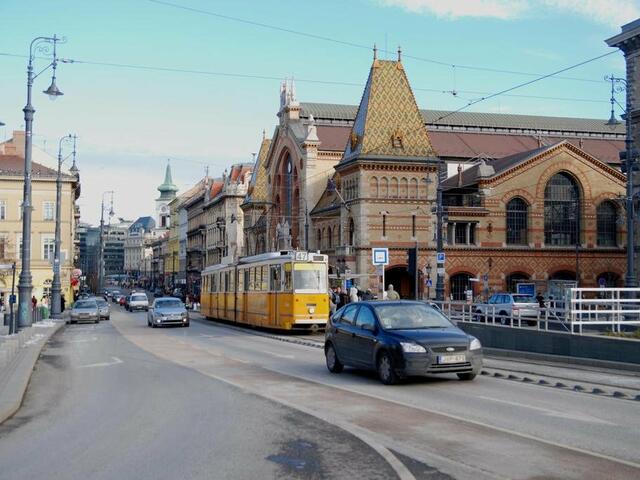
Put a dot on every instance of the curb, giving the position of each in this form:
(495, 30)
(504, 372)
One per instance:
(19, 356)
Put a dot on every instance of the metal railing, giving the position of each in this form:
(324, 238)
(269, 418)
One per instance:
(614, 307)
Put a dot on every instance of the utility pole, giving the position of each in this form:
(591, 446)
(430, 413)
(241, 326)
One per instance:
(442, 175)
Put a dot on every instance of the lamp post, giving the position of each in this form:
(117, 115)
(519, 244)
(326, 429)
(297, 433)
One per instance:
(101, 252)
(56, 287)
(43, 45)
(630, 277)
(442, 175)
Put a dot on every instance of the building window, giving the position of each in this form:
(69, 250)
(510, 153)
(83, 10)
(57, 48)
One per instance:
(384, 225)
(329, 237)
(319, 239)
(413, 226)
(352, 232)
(3, 209)
(394, 188)
(561, 211)
(413, 188)
(48, 246)
(373, 186)
(48, 210)
(513, 279)
(404, 188)
(384, 187)
(517, 214)
(607, 224)
(461, 233)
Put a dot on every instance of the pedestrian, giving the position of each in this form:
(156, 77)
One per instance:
(367, 295)
(540, 300)
(392, 294)
(62, 302)
(45, 301)
(353, 293)
(34, 302)
(332, 301)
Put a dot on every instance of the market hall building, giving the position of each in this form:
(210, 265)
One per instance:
(527, 198)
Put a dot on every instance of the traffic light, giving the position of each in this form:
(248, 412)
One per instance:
(412, 261)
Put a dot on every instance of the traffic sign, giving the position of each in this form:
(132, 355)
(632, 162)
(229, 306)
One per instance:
(380, 256)
(602, 282)
(429, 283)
(441, 271)
(440, 257)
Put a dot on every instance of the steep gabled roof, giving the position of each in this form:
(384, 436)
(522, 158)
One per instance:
(257, 192)
(388, 123)
(329, 200)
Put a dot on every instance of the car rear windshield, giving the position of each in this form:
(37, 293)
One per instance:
(139, 297)
(524, 299)
(169, 304)
(396, 316)
(85, 304)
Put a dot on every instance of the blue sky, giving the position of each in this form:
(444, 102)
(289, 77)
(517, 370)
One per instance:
(130, 121)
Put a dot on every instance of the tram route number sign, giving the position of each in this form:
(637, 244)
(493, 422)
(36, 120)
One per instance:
(380, 256)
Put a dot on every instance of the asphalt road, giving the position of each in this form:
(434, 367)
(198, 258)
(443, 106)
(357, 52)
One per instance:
(238, 405)
(98, 407)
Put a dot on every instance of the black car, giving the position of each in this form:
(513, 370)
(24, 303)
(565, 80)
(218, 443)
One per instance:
(399, 339)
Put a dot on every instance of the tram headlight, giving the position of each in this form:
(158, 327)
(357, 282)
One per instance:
(312, 310)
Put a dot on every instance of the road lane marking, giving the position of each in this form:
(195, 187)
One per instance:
(279, 355)
(115, 361)
(551, 413)
(83, 340)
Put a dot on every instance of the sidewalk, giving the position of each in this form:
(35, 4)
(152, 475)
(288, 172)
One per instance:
(18, 356)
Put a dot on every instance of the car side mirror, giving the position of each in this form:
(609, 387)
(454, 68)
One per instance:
(369, 327)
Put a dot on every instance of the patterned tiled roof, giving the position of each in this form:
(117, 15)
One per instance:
(388, 122)
(258, 186)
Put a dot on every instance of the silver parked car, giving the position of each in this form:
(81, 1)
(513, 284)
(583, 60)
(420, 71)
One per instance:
(503, 306)
(138, 301)
(103, 307)
(85, 311)
(167, 311)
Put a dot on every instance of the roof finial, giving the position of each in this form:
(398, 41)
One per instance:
(375, 52)
(399, 53)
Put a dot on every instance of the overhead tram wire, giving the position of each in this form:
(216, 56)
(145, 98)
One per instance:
(353, 44)
(251, 76)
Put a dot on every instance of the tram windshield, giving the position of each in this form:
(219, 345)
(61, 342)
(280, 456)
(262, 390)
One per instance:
(310, 277)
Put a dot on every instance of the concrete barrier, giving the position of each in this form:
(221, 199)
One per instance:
(611, 349)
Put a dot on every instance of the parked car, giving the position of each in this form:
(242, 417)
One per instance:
(504, 306)
(85, 311)
(103, 308)
(399, 339)
(167, 311)
(138, 301)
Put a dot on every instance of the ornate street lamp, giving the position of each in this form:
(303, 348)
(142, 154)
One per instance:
(56, 287)
(42, 45)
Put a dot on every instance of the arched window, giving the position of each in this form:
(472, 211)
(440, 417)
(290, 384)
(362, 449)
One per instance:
(609, 280)
(513, 279)
(413, 188)
(329, 237)
(561, 211)
(404, 188)
(352, 232)
(324, 238)
(384, 187)
(393, 189)
(459, 284)
(336, 235)
(373, 187)
(607, 224)
(517, 214)
(319, 239)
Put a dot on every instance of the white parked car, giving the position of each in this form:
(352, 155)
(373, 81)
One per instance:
(138, 301)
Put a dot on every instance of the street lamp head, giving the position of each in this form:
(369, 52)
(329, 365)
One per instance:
(53, 91)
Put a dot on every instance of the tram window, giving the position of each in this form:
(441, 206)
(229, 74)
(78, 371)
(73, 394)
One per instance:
(288, 284)
(252, 279)
(310, 276)
(275, 278)
(264, 284)
(213, 283)
(232, 285)
(246, 280)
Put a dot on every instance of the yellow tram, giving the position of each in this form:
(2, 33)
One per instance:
(282, 290)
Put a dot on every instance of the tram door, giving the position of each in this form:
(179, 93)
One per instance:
(275, 286)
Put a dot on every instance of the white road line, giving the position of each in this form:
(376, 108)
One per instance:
(115, 361)
(279, 355)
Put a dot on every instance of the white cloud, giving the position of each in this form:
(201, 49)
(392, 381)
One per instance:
(600, 11)
(503, 9)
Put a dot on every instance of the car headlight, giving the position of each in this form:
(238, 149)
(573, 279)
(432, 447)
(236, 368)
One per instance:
(184, 315)
(409, 347)
(475, 344)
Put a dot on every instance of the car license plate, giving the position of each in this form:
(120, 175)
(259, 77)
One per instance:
(452, 359)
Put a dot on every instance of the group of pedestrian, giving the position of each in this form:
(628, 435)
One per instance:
(339, 297)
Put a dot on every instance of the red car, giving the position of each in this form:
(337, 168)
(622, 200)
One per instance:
(121, 300)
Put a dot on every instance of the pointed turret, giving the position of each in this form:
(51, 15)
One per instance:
(388, 123)
(168, 189)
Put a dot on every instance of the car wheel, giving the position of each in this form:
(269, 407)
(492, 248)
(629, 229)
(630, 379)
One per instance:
(467, 377)
(503, 318)
(186, 324)
(97, 320)
(331, 357)
(385, 370)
